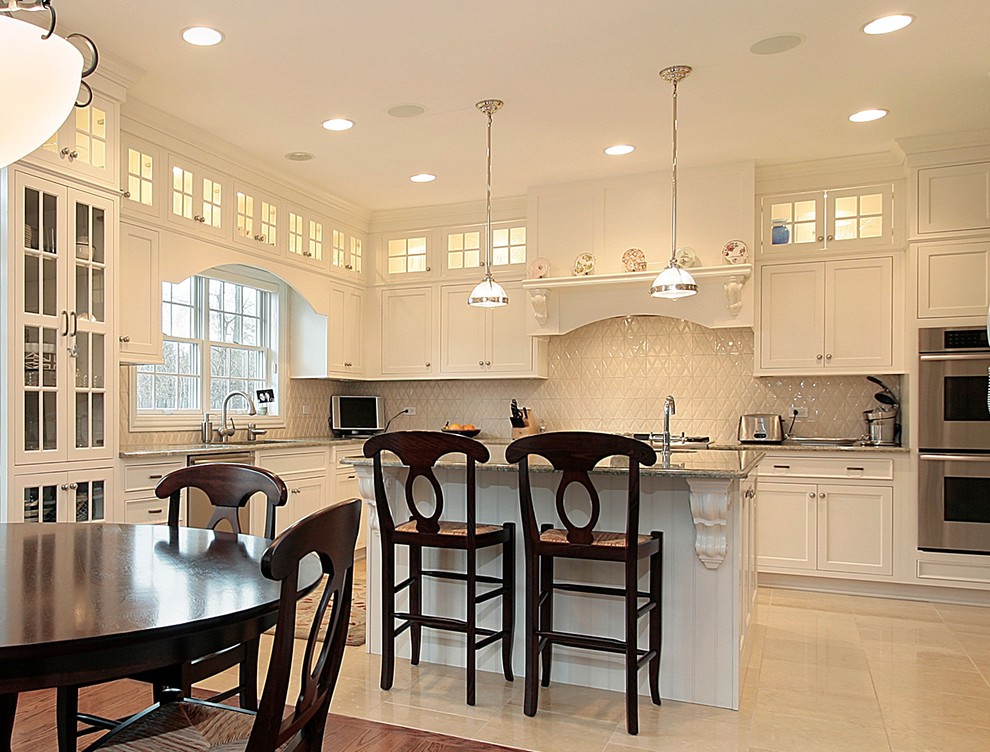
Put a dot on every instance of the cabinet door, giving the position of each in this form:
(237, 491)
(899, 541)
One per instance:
(198, 198)
(859, 218)
(463, 333)
(79, 496)
(139, 296)
(141, 178)
(799, 220)
(954, 198)
(792, 316)
(345, 332)
(953, 279)
(306, 495)
(408, 332)
(786, 526)
(257, 220)
(855, 529)
(86, 143)
(511, 349)
(306, 237)
(859, 314)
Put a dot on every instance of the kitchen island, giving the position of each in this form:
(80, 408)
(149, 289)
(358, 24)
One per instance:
(703, 501)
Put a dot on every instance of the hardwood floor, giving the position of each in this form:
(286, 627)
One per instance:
(34, 727)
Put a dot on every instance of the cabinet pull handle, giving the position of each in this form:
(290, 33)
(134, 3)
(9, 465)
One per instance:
(124, 338)
(159, 476)
(750, 493)
(850, 469)
(155, 511)
(65, 324)
(348, 266)
(351, 477)
(75, 323)
(781, 467)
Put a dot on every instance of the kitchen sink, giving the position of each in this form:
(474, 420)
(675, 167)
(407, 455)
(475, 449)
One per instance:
(678, 443)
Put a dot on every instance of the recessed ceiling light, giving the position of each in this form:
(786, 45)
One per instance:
(299, 156)
(338, 124)
(202, 36)
(887, 24)
(423, 177)
(620, 149)
(865, 116)
(406, 111)
(776, 45)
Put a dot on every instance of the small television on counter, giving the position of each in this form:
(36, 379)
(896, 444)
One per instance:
(356, 415)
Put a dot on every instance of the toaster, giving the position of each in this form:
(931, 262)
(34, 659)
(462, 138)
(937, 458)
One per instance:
(761, 428)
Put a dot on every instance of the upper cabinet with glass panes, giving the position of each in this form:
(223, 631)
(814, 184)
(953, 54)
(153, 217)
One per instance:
(346, 252)
(197, 197)
(465, 248)
(259, 224)
(307, 237)
(832, 220)
(86, 143)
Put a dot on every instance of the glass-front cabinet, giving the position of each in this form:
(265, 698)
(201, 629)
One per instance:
(63, 247)
(86, 142)
(75, 496)
(836, 219)
(257, 219)
(197, 197)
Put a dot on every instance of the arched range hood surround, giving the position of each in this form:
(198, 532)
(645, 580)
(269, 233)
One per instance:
(559, 305)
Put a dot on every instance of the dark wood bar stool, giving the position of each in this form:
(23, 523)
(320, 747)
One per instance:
(229, 487)
(419, 451)
(573, 454)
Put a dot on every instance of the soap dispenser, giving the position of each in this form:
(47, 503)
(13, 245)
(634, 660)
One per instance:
(207, 429)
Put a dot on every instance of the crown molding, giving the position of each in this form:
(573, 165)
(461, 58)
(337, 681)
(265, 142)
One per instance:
(463, 213)
(819, 173)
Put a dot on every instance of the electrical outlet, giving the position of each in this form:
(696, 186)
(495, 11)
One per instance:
(409, 410)
(307, 409)
(800, 411)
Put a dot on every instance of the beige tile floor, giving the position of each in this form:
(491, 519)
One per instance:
(826, 672)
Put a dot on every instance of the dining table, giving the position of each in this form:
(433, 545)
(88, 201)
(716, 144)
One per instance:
(86, 603)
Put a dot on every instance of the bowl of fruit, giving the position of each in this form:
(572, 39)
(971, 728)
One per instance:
(461, 429)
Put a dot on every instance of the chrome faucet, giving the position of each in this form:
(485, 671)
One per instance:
(669, 408)
(224, 432)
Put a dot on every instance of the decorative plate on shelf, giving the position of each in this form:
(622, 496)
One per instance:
(686, 257)
(539, 268)
(634, 260)
(584, 265)
(735, 252)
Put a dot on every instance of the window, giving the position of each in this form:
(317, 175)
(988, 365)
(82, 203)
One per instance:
(220, 335)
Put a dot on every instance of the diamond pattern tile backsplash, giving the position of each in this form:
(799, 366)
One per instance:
(613, 376)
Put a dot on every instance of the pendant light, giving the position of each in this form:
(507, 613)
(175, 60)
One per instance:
(674, 282)
(42, 78)
(488, 293)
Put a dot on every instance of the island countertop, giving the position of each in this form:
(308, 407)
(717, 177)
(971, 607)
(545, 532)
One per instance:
(683, 463)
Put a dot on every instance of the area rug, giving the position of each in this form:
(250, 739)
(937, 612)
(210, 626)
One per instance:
(306, 608)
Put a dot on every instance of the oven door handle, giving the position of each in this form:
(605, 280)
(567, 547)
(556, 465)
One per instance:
(955, 356)
(955, 457)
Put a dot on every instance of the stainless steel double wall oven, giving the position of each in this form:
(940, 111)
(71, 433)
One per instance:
(954, 440)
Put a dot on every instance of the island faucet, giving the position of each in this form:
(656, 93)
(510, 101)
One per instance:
(669, 408)
(224, 432)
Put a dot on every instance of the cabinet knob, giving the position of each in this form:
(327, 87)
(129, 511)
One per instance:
(481, 362)
(308, 254)
(821, 238)
(488, 362)
(831, 238)
(260, 238)
(67, 152)
(69, 486)
(811, 495)
(125, 193)
(348, 266)
(124, 338)
(429, 269)
(828, 356)
(818, 357)
(347, 365)
(295, 490)
(821, 495)
(427, 364)
(750, 493)
(199, 218)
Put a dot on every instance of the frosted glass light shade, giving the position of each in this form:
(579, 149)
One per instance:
(673, 282)
(488, 294)
(38, 89)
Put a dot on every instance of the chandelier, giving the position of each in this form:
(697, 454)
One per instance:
(43, 80)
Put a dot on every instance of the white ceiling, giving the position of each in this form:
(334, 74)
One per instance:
(575, 75)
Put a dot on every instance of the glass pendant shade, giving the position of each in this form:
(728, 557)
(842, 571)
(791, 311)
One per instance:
(39, 87)
(488, 294)
(673, 282)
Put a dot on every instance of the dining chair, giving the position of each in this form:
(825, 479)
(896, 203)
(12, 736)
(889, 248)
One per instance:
(575, 534)
(178, 723)
(229, 487)
(427, 527)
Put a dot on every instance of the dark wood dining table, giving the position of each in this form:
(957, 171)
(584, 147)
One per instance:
(84, 603)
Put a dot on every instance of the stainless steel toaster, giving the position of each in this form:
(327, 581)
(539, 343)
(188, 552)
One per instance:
(761, 428)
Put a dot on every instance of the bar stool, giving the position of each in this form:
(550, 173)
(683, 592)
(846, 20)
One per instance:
(419, 451)
(573, 454)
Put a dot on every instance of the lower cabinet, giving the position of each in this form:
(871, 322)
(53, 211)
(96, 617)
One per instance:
(305, 474)
(141, 506)
(345, 486)
(807, 527)
(75, 495)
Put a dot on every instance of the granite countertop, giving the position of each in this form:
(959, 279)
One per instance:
(178, 450)
(683, 463)
(795, 447)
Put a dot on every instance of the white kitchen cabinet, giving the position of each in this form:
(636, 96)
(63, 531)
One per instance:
(141, 505)
(139, 298)
(346, 486)
(304, 471)
(198, 198)
(306, 237)
(826, 315)
(831, 220)
(63, 263)
(409, 340)
(258, 220)
(142, 181)
(347, 252)
(345, 332)
(838, 522)
(486, 342)
(81, 495)
(954, 198)
(953, 279)
(85, 145)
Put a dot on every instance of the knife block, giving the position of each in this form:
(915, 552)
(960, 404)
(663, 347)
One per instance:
(531, 426)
